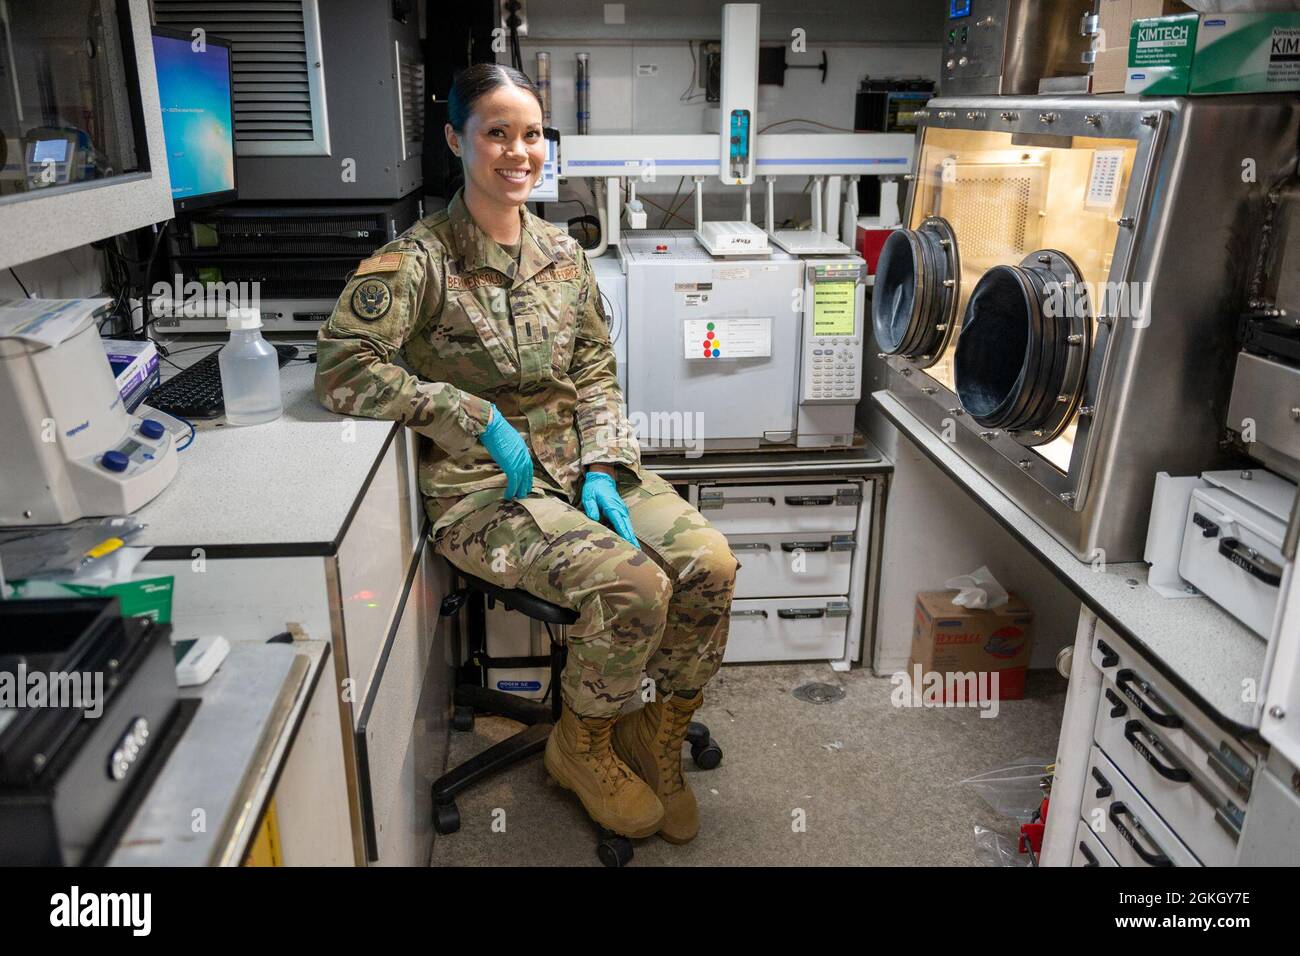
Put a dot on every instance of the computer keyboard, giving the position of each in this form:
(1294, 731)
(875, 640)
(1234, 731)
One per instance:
(195, 392)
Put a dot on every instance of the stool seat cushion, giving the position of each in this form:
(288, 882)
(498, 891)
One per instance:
(523, 602)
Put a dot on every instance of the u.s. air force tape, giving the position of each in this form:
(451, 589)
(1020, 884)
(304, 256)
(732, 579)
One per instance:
(371, 299)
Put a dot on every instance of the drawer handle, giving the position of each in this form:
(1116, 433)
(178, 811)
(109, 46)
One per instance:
(801, 501)
(1251, 561)
(743, 500)
(1105, 790)
(1208, 528)
(1087, 855)
(805, 546)
(1120, 708)
(1126, 677)
(1173, 771)
(753, 612)
(1154, 857)
(1108, 657)
(751, 546)
(800, 612)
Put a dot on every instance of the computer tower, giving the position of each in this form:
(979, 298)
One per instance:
(329, 96)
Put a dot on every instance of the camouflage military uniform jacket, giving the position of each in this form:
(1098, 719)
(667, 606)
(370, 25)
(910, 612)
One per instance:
(474, 326)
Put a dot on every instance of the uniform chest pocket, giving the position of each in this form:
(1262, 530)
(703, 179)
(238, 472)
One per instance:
(469, 336)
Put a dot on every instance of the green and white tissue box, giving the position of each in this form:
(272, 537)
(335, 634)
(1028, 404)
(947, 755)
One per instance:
(1212, 53)
(146, 597)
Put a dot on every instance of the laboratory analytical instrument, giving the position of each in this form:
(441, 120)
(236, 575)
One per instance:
(740, 352)
(69, 769)
(71, 447)
(1011, 46)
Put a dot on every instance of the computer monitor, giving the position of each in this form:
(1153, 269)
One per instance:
(548, 187)
(195, 94)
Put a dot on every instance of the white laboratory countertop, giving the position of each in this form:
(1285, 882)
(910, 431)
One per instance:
(1205, 651)
(287, 487)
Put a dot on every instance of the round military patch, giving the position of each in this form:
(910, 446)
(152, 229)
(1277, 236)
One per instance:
(371, 299)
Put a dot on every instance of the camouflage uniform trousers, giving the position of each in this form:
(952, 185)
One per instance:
(663, 610)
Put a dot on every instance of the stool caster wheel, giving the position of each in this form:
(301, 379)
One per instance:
(462, 718)
(614, 850)
(706, 757)
(446, 818)
(697, 734)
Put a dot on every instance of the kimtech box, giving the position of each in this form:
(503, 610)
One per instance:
(1211, 53)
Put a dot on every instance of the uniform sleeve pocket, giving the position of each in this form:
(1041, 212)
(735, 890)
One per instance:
(562, 338)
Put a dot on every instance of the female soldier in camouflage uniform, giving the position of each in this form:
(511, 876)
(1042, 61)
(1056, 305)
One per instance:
(526, 448)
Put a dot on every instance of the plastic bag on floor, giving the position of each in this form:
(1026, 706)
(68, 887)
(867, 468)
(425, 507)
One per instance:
(1013, 791)
(996, 849)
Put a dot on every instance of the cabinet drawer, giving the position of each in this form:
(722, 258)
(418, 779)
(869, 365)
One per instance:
(1195, 806)
(1218, 757)
(776, 564)
(1088, 850)
(781, 509)
(1232, 552)
(787, 629)
(1132, 832)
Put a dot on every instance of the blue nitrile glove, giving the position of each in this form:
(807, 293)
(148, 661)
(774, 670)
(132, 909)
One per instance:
(600, 497)
(510, 453)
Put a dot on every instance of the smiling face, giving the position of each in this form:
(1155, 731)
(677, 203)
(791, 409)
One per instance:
(501, 147)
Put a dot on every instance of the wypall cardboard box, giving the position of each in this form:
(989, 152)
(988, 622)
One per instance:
(948, 639)
(1211, 53)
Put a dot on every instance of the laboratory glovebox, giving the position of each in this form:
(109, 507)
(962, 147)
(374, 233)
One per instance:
(1066, 264)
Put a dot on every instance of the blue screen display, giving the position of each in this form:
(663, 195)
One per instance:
(194, 93)
(958, 8)
(50, 151)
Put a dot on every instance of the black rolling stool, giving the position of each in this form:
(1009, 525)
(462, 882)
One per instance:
(472, 698)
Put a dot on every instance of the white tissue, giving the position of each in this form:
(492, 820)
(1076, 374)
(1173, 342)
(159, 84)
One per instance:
(979, 589)
(1242, 6)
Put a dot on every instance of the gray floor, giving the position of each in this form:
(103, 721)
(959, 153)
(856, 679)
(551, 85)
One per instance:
(877, 784)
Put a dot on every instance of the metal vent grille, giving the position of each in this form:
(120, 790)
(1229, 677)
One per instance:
(991, 219)
(276, 67)
(412, 75)
(994, 210)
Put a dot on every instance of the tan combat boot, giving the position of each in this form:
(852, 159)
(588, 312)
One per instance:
(650, 740)
(579, 758)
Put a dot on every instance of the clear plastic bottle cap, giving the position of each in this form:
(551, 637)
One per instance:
(238, 319)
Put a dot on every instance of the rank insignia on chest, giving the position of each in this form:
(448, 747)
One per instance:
(371, 299)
